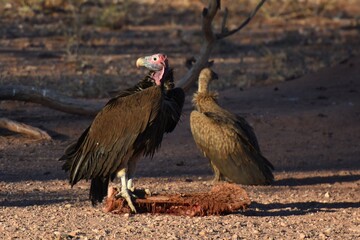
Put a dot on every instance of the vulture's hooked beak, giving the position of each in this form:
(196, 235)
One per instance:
(140, 62)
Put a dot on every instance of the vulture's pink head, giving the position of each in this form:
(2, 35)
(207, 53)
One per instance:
(156, 63)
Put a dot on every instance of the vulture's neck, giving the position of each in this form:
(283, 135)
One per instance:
(167, 83)
(167, 80)
(205, 101)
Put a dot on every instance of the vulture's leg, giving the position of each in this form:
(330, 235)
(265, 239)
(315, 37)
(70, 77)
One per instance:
(131, 173)
(130, 184)
(218, 175)
(124, 190)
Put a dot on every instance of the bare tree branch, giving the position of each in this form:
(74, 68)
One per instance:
(49, 99)
(208, 15)
(224, 21)
(247, 20)
(23, 128)
(210, 39)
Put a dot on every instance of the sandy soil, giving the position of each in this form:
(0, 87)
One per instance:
(309, 128)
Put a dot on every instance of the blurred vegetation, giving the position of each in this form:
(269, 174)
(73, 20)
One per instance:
(87, 47)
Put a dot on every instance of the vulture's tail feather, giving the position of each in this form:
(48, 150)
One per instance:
(98, 190)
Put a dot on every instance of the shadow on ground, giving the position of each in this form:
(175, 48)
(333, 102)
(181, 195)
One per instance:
(317, 180)
(297, 208)
(38, 198)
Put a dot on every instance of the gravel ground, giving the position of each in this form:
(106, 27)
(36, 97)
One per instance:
(314, 211)
(313, 143)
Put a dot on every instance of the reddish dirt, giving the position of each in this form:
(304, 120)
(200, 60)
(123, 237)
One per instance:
(308, 127)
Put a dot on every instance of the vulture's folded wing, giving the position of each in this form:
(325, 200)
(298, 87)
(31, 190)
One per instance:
(109, 141)
(173, 104)
(229, 149)
(239, 125)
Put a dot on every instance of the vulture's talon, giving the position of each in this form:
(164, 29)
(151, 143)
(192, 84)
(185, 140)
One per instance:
(131, 189)
(127, 196)
(133, 195)
(215, 181)
(148, 192)
(218, 178)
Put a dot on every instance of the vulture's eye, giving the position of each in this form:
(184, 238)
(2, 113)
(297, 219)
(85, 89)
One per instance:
(155, 59)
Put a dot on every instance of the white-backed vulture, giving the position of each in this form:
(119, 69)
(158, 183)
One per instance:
(226, 139)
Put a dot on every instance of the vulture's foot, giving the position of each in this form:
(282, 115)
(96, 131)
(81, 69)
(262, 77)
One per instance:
(130, 185)
(147, 191)
(215, 181)
(132, 190)
(218, 179)
(127, 196)
(218, 176)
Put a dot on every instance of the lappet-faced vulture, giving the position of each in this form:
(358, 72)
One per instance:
(226, 139)
(129, 126)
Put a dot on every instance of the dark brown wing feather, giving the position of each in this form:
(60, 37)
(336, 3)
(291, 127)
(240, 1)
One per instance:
(173, 100)
(98, 189)
(229, 146)
(125, 127)
(143, 84)
(173, 104)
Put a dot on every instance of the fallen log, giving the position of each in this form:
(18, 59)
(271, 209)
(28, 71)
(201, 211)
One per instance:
(49, 98)
(24, 129)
